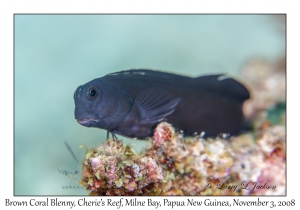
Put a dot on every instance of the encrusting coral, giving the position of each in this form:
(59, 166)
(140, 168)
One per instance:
(172, 165)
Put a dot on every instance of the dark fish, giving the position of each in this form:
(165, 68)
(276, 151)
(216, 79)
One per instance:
(131, 103)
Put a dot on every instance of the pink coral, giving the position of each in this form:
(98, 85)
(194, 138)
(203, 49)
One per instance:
(164, 132)
(275, 184)
(96, 162)
(153, 171)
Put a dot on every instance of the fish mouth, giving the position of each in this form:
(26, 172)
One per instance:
(87, 122)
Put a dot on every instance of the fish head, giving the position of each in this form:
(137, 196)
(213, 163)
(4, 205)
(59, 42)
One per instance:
(100, 104)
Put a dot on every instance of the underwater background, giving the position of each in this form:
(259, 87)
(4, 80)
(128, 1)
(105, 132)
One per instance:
(54, 54)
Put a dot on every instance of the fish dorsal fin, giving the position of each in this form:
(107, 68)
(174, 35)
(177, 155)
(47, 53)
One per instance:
(155, 105)
(224, 85)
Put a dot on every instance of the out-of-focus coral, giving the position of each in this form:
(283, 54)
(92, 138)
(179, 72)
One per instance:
(174, 165)
(266, 83)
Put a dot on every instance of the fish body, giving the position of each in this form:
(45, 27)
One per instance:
(131, 103)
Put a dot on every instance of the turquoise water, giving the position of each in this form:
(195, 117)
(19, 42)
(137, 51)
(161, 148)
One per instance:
(54, 54)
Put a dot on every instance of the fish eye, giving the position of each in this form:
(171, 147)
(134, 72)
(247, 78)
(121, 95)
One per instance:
(92, 93)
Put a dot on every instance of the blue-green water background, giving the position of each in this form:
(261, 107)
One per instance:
(56, 53)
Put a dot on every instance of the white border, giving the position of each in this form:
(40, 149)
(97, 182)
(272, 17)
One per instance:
(8, 8)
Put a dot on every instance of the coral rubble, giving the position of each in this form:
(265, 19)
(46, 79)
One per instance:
(173, 165)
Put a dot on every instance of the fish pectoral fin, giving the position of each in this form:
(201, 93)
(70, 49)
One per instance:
(155, 104)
